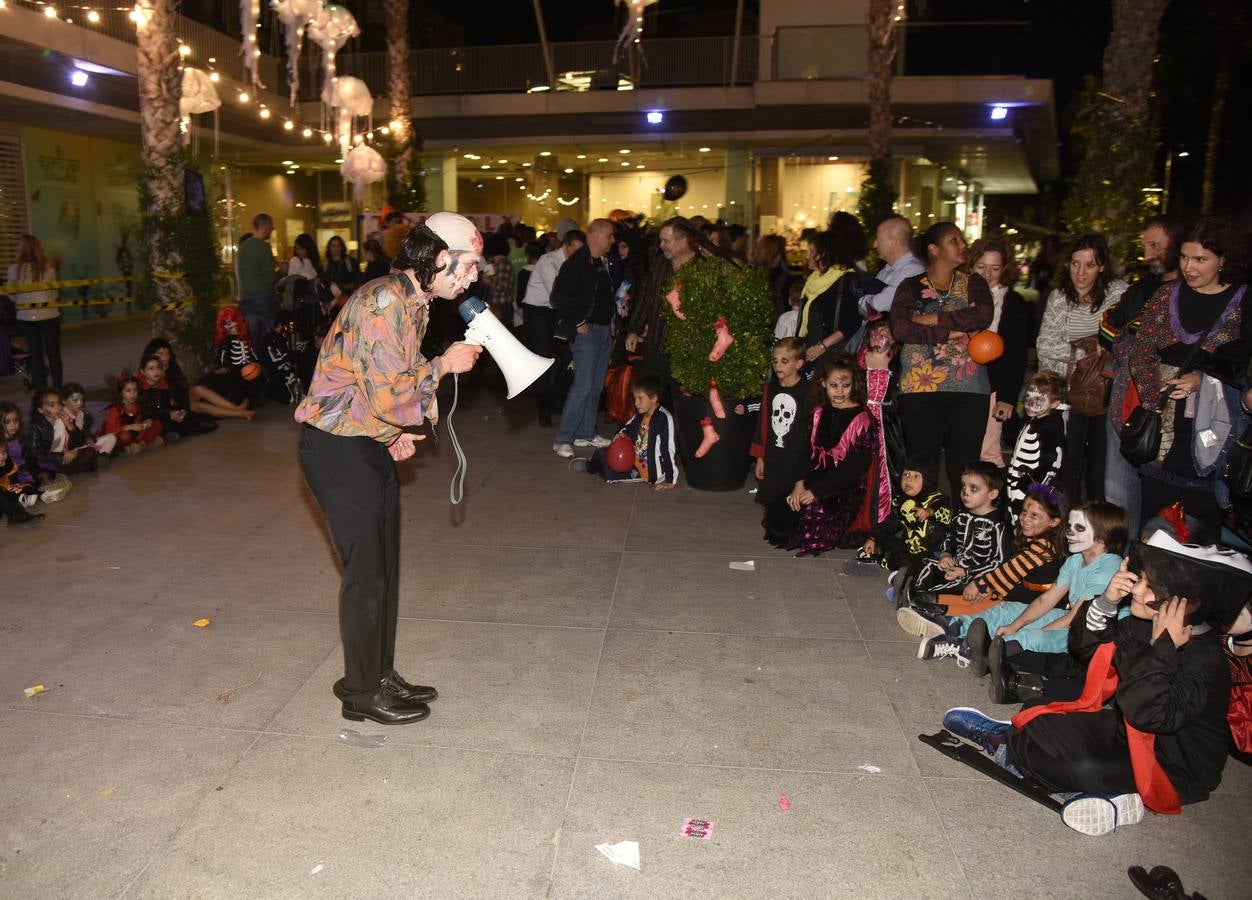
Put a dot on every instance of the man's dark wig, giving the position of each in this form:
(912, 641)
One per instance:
(419, 251)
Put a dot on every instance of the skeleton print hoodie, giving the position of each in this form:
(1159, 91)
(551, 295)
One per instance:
(781, 440)
(1037, 457)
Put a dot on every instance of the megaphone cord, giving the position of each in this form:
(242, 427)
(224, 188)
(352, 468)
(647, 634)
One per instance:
(456, 490)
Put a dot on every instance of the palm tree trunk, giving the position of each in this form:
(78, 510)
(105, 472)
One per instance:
(1221, 87)
(397, 12)
(882, 52)
(160, 87)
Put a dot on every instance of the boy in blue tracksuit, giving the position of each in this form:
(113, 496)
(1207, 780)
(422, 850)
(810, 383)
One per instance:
(652, 431)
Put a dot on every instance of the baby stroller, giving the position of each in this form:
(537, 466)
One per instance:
(14, 360)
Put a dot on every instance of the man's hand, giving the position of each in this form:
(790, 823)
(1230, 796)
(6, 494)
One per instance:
(584, 328)
(1184, 385)
(404, 446)
(460, 357)
(1003, 412)
(632, 342)
(760, 468)
(1172, 617)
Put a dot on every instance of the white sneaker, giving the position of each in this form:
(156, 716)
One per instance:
(565, 451)
(27, 500)
(596, 441)
(1097, 814)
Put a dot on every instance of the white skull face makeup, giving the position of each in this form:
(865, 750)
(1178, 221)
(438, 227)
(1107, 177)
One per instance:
(1079, 534)
(782, 417)
(1036, 402)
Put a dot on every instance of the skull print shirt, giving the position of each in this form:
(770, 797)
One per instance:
(781, 440)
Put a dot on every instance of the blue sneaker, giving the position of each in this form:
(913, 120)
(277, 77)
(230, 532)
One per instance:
(971, 725)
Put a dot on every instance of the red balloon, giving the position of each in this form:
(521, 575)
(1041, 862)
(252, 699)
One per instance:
(985, 347)
(620, 455)
(251, 371)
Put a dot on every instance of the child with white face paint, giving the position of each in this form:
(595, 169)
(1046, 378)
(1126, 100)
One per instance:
(1040, 446)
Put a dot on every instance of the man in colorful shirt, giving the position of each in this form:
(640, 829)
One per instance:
(371, 387)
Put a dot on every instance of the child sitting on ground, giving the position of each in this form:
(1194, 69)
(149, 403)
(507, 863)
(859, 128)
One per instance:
(781, 447)
(180, 390)
(125, 421)
(279, 360)
(1096, 537)
(823, 508)
(19, 454)
(156, 400)
(82, 428)
(1163, 739)
(16, 498)
(915, 530)
(1031, 571)
(976, 543)
(1040, 445)
(223, 392)
(651, 430)
(50, 438)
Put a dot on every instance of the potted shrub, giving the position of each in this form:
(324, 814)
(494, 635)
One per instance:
(719, 330)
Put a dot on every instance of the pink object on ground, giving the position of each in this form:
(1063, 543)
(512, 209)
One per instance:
(783, 803)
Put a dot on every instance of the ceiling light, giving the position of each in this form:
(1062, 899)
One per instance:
(78, 78)
(503, 162)
(582, 156)
(50, 12)
(484, 166)
(519, 179)
(214, 77)
(265, 112)
(545, 152)
(93, 17)
(1183, 154)
(603, 159)
(184, 51)
(539, 88)
(339, 160)
(569, 171)
(307, 132)
(327, 137)
(288, 125)
(287, 162)
(624, 151)
(624, 163)
(705, 149)
(833, 158)
(525, 165)
(640, 166)
(499, 178)
(656, 117)
(243, 97)
(999, 112)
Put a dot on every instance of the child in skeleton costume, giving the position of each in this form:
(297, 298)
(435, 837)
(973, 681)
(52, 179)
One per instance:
(826, 507)
(1152, 641)
(781, 447)
(1040, 445)
(224, 388)
(978, 539)
(916, 528)
(280, 362)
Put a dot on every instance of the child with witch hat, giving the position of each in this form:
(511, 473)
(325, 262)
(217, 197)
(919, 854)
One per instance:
(1162, 741)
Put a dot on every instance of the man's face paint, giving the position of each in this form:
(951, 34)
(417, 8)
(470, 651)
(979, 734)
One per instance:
(1036, 402)
(1078, 534)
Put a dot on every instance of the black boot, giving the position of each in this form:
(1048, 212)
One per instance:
(977, 643)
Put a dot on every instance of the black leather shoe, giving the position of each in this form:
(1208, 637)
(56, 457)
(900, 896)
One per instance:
(422, 693)
(385, 708)
(978, 641)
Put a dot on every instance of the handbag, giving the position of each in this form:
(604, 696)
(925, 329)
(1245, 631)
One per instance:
(1140, 437)
(1238, 471)
(1087, 390)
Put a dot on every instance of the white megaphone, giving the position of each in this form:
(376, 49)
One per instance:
(519, 365)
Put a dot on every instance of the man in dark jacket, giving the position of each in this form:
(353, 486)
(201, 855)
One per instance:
(582, 297)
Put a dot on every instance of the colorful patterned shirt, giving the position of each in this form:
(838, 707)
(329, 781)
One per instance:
(931, 360)
(371, 379)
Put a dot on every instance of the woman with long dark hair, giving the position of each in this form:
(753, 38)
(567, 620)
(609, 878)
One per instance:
(305, 261)
(992, 258)
(943, 393)
(341, 273)
(1068, 334)
(825, 324)
(770, 254)
(40, 325)
(1203, 415)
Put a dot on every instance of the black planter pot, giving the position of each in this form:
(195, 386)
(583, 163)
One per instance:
(725, 466)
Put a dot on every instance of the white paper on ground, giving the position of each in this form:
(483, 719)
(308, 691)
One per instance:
(749, 566)
(873, 770)
(623, 853)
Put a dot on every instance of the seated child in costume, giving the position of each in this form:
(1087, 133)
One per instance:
(976, 542)
(46, 484)
(187, 423)
(1238, 647)
(82, 428)
(280, 362)
(125, 422)
(826, 508)
(781, 447)
(16, 497)
(1162, 741)
(1096, 537)
(50, 438)
(916, 528)
(156, 400)
(223, 392)
(651, 430)
(1040, 445)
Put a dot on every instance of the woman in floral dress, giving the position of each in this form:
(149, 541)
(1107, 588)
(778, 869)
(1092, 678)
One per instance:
(944, 395)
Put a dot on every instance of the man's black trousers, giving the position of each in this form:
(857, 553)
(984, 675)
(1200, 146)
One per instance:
(354, 481)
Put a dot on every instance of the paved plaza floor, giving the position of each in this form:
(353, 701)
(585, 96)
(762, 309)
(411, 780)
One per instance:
(603, 675)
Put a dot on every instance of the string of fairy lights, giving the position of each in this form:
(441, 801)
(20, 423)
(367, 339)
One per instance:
(242, 91)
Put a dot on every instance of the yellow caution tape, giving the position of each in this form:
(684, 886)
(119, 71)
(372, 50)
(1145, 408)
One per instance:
(32, 286)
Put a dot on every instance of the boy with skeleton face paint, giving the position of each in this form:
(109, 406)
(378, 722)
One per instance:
(1040, 446)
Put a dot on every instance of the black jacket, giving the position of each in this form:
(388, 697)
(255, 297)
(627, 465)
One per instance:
(583, 292)
(40, 443)
(1178, 694)
(1007, 372)
(837, 308)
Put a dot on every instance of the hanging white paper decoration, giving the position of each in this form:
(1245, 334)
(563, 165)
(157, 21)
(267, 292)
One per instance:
(634, 25)
(199, 95)
(330, 29)
(249, 13)
(363, 165)
(295, 16)
(351, 98)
